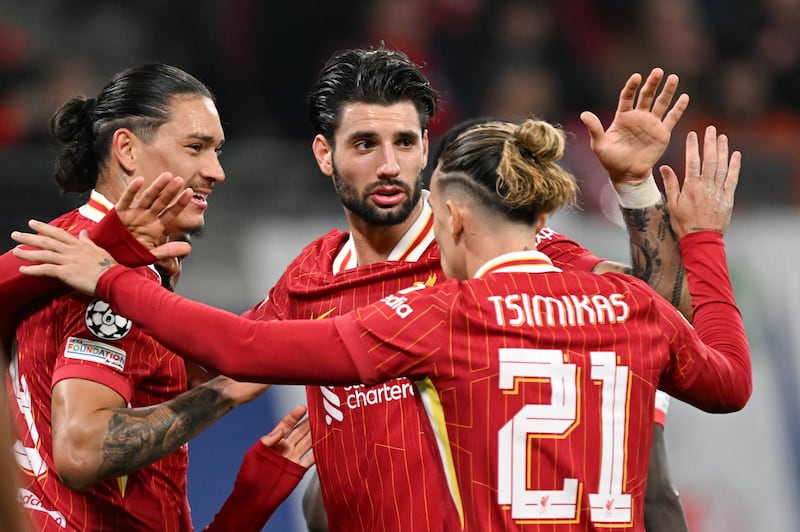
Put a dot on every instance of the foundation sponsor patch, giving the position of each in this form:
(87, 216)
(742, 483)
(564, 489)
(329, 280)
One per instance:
(98, 352)
(105, 323)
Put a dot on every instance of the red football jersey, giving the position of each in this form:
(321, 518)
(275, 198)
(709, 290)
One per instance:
(541, 387)
(18, 290)
(372, 458)
(539, 383)
(73, 336)
(376, 471)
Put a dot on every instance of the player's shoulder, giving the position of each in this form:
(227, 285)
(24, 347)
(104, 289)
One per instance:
(323, 248)
(628, 282)
(72, 221)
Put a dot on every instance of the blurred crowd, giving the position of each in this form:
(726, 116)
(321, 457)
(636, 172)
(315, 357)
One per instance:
(739, 60)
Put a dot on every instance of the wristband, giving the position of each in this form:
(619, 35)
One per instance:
(661, 406)
(638, 196)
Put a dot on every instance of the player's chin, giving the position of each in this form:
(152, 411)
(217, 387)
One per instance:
(390, 215)
(191, 224)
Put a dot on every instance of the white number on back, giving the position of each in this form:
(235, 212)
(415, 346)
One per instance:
(555, 420)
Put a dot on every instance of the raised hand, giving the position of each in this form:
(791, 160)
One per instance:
(705, 201)
(291, 438)
(77, 262)
(148, 213)
(641, 129)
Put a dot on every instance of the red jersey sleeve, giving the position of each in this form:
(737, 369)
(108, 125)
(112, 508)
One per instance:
(111, 235)
(711, 366)
(264, 481)
(217, 338)
(18, 290)
(564, 252)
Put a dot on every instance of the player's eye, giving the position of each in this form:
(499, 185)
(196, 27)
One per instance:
(363, 145)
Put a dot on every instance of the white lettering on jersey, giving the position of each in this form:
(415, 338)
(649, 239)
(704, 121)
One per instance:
(544, 234)
(29, 500)
(362, 396)
(28, 458)
(398, 302)
(567, 310)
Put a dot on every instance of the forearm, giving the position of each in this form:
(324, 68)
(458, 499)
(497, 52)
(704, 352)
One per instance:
(663, 511)
(264, 481)
(112, 235)
(655, 255)
(284, 352)
(136, 437)
(724, 377)
(16, 291)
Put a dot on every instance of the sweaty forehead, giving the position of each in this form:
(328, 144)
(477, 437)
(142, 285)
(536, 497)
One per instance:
(377, 119)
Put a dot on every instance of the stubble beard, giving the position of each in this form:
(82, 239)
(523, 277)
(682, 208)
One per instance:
(371, 213)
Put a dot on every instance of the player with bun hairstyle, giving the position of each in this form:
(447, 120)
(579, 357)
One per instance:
(539, 382)
(101, 409)
(663, 509)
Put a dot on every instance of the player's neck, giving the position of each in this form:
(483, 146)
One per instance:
(111, 185)
(375, 243)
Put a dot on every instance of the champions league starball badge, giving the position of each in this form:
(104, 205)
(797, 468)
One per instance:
(104, 323)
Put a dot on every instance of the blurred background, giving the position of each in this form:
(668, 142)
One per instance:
(739, 60)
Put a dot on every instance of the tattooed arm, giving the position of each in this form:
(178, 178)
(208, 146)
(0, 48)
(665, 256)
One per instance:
(628, 150)
(655, 256)
(95, 437)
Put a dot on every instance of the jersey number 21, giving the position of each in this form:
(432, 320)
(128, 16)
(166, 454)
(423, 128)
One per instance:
(607, 502)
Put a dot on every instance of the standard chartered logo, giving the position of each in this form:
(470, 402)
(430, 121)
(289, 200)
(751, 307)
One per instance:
(332, 404)
(336, 399)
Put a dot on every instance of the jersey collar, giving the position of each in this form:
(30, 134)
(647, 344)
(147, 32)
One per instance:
(96, 208)
(518, 261)
(410, 248)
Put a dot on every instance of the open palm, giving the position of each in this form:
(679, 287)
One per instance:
(641, 129)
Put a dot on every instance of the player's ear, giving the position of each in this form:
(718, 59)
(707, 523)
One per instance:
(455, 219)
(123, 144)
(323, 153)
(541, 222)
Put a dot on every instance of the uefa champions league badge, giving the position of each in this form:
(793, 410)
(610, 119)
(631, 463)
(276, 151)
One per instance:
(104, 323)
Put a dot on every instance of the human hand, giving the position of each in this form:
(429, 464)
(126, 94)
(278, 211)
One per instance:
(291, 438)
(148, 213)
(705, 202)
(76, 261)
(641, 129)
(241, 392)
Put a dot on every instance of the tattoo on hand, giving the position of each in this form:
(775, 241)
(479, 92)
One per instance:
(105, 264)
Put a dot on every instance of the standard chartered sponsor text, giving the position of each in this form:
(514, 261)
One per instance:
(360, 395)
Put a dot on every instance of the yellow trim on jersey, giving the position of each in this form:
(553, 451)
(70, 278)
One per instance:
(96, 207)
(410, 248)
(433, 407)
(122, 484)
